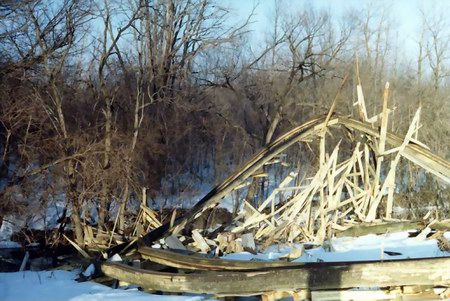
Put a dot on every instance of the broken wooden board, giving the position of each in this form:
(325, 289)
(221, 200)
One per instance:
(200, 241)
(172, 242)
(391, 227)
(413, 152)
(381, 228)
(440, 225)
(313, 276)
(198, 262)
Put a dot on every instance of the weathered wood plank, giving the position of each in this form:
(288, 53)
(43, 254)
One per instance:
(313, 276)
(392, 227)
(199, 262)
(346, 295)
(364, 229)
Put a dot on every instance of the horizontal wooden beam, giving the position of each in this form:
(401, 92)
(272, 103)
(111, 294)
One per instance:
(313, 276)
(382, 228)
(198, 262)
(392, 227)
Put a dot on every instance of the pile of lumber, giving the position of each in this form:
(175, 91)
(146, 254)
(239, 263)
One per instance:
(346, 196)
(343, 193)
(340, 194)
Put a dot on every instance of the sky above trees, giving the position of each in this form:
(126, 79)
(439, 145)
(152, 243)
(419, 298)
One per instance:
(404, 15)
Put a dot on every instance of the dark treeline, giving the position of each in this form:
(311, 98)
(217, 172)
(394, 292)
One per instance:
(102, 98)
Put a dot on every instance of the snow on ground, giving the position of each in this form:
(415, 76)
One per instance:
(8, 244)
(60, 285)
(368, 247)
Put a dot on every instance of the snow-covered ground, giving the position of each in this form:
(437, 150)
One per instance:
(368, 247)
(60, 286)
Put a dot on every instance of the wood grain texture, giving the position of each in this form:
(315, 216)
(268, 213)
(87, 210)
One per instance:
(314, 276)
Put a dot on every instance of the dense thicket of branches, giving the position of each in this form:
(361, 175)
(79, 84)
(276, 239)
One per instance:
(101, 98)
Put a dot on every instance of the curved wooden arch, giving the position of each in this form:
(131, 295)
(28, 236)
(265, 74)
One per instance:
(414, 152)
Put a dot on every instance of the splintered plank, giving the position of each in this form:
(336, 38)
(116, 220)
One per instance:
(198, 262)
(390, 178)
(361, 103)
(200, 241)
(283, 184)
(364, 229)
(313, 276)
(413, 152)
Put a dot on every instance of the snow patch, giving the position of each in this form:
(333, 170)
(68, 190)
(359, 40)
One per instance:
(60, 285)
(89, 271)
(368, 247)
(7, 244)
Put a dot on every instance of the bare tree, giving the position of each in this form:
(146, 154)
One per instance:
(436, 45)
(45, 45)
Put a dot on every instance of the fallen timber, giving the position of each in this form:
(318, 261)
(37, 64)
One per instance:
(412, 151)
(365, 229)
(199, 262)
(391, 227)
(311, 276)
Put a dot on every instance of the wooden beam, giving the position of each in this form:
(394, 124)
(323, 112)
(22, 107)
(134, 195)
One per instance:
(196, 261)
(381, 228)
(313, 276)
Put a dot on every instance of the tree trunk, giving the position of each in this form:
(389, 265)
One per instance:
(75, 202)
(122, 208)
(102, 214)
(253, 188)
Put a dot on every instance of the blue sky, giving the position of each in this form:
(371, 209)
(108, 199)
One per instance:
(405, 13)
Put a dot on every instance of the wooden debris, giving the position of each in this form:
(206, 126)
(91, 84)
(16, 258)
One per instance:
(348, 194)
(294, 253)
(78, 248)
(200, 241)
(196, 261)
(380, 228)
(24, 261)
(248, 242)
(172, 242)
(337, 180)
(313, 276)
(443, 243)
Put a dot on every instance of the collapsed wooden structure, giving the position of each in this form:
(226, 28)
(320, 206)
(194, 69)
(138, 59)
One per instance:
(356, 175)
(343, 197)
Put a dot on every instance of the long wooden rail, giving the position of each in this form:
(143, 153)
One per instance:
(313, 276)
(198, 262)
